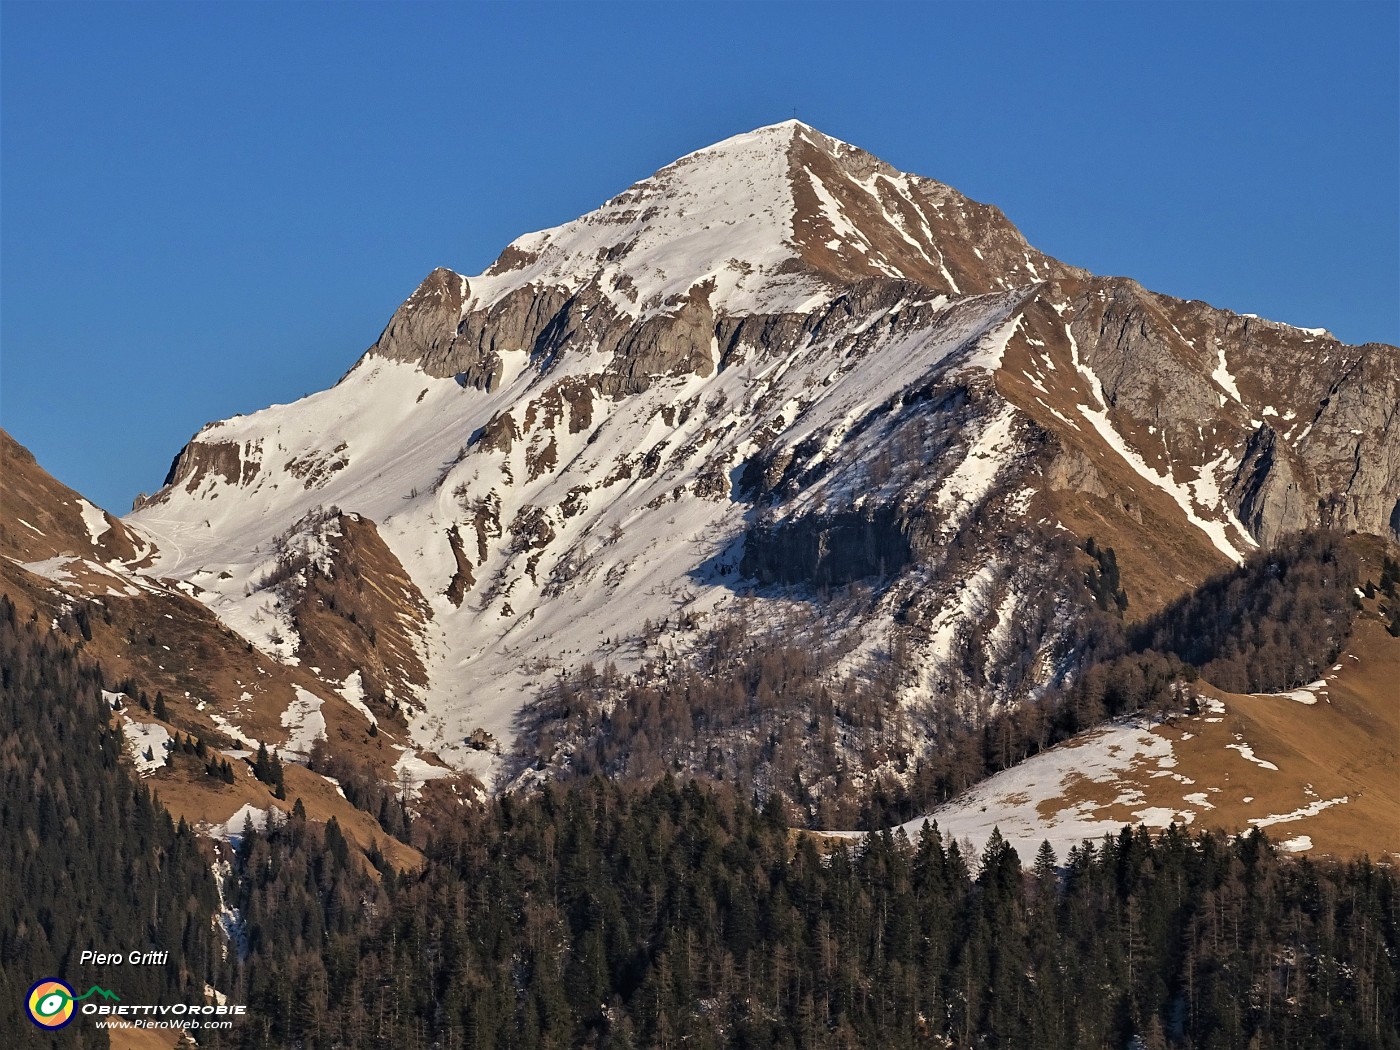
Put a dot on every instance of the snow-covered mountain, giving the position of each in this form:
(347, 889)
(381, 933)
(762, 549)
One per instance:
(775, 368)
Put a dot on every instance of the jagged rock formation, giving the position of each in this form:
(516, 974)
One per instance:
(775, 367)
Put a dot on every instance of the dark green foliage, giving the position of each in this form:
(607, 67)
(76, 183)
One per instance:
(1274, 623)
(364, 790)
(603, 916)
(1103, 580)
(268, 768)
(1390, 576)
(87, 858)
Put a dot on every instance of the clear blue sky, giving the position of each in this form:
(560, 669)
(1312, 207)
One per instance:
(208, 208)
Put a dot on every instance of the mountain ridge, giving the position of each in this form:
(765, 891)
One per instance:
(894, 393)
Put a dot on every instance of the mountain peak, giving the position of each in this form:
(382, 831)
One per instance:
(775, 220)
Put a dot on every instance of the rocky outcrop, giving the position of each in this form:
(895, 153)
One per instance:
(1265, 493)
(1353, 446)
(425, 326)
(828, 550)
(200, 460)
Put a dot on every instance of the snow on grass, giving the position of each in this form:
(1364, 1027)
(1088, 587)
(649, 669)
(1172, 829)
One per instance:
(232, 829)
(902, 185)
(147, 744)
(304, 723)
(412, 772)
(1312, 809)
(56, 569)
(94, 519)
(1010, 801)
(353, 690)
(29, 526)
(223, 724)
(1304, 694)
(847, 233)
(1297, 844)
(1247, 753)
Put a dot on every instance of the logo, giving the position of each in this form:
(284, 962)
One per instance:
(51, 1002)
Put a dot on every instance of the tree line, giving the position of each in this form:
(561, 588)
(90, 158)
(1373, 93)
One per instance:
(615, 914)
(768, 709)
(604, 915)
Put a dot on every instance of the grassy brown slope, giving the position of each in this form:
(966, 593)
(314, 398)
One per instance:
(1346, 748)
(365, 614)
(194, 654)
(1349, 747)
(166, 641)
(55, 523)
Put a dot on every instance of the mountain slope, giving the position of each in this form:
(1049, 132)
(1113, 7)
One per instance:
(774, 368)
(153, 638)
(1316, 768)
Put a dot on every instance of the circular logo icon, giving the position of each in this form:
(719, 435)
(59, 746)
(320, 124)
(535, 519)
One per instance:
(50, 1003)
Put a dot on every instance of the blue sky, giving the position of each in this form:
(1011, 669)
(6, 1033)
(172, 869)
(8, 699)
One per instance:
(208, 208)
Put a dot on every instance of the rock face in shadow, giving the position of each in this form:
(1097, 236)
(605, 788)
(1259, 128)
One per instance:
(828, 550)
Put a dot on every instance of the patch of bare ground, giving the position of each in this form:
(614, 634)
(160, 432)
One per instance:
(146, 1038)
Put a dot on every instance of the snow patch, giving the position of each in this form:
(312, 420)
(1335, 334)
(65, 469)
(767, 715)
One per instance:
(94, 519)
(353, 690)
(231, 830)
(304, 723)
(1009, 800)
(1305, 694)
(1312, 809)
(412, 771)
(146, 742)
(1247, 753)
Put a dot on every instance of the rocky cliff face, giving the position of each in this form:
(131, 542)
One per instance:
(774, 368)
